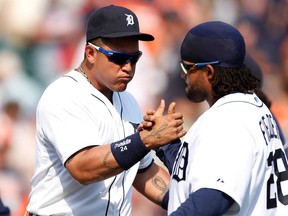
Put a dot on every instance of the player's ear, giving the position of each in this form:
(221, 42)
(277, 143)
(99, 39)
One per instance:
(90, 53)
(210, 71)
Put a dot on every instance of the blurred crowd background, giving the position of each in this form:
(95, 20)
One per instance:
(41, 40)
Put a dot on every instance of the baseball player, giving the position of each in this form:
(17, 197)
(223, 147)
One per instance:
(88, 150)
(231, 161)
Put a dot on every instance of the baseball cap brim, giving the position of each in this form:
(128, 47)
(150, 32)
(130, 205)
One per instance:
(139, 36)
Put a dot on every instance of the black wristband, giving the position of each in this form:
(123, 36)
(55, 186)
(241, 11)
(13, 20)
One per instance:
(129, 150)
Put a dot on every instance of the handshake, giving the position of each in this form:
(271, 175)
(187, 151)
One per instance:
(162, 133)
(158, 130)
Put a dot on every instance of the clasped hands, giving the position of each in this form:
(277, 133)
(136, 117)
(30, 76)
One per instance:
(158, 129)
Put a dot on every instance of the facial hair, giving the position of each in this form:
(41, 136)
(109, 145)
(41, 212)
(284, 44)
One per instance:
(195, 91)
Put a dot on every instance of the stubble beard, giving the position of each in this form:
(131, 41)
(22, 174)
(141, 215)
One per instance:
(195, 95)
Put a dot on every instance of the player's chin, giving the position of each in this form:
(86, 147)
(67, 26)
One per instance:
(195, 97)
(120, 87)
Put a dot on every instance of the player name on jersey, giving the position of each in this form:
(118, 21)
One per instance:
(269, 128)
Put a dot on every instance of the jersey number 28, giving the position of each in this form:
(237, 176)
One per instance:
(281, 173)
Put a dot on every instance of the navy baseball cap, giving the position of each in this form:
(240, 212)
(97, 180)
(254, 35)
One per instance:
(114, 22)
(214, 41)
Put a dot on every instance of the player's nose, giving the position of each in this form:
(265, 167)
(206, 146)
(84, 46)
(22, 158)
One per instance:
(128, 66)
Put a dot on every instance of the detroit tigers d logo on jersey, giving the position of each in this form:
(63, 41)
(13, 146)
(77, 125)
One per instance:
(180, 166)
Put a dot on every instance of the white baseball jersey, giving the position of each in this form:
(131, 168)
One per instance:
(72, 115)
(234, 147)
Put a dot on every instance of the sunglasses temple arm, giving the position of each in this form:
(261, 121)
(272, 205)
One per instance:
(206, 63)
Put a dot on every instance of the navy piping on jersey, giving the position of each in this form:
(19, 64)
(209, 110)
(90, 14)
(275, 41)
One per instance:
(242, 102)
(109, 191)
(123, 189)
(94, 96)
(121, 114)
(123, 186)
(282, 138)
(108, 203)
(103, 103)
(71, 78)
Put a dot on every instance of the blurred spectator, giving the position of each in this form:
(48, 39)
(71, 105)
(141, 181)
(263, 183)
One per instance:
(280, 100)
(15, 85)
(12, 185)
(18, 97)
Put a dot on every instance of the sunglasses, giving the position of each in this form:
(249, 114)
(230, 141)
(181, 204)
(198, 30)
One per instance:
(118, 57)
(187, 67)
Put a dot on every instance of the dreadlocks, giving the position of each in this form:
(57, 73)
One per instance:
(229, 80)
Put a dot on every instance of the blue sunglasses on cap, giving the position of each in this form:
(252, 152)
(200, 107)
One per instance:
(118, 57)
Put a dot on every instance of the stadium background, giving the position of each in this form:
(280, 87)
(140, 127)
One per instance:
(41, 40)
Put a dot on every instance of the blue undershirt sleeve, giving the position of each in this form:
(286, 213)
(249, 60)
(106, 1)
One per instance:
(205, 202)
(167, 154)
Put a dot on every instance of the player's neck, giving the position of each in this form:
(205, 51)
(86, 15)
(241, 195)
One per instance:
(106, 92)
(80, 69)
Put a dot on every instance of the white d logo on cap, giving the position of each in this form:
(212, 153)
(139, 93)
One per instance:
(129, 19)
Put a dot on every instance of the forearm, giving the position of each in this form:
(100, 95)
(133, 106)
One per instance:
(153, 183)
(101, 162)
(92, 164)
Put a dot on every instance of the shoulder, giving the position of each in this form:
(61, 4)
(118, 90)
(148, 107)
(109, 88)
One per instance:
(61, 91)
(61, 85)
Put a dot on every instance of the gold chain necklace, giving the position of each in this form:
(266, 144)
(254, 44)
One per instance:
(84, 74)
